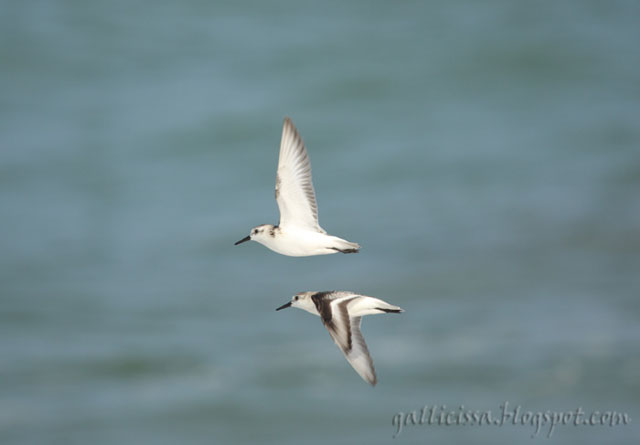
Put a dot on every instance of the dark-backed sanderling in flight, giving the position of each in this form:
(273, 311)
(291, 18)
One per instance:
(341, 313)
(298, 233)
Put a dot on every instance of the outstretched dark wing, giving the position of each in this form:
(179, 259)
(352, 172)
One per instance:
(346, 333)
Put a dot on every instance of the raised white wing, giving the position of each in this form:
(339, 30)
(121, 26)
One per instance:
(294, 189)
(346, 333)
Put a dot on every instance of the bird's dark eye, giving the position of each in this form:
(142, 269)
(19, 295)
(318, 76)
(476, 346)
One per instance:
(295, 298)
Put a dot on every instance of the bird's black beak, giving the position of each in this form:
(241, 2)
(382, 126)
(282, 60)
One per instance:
(246, 238)
(284, 306)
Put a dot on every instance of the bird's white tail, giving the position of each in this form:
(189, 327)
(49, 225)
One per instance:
(371, 306)
(344, 246)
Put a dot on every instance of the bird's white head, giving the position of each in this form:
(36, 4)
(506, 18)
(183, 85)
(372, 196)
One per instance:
(302, 301)
(262, 234)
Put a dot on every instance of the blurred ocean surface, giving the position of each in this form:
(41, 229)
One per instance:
(486, 155)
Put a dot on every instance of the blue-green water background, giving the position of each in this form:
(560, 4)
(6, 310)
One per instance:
(486, 155)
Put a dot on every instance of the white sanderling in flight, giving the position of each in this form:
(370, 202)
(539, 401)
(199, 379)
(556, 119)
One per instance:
(341, 313)
(298, 233)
